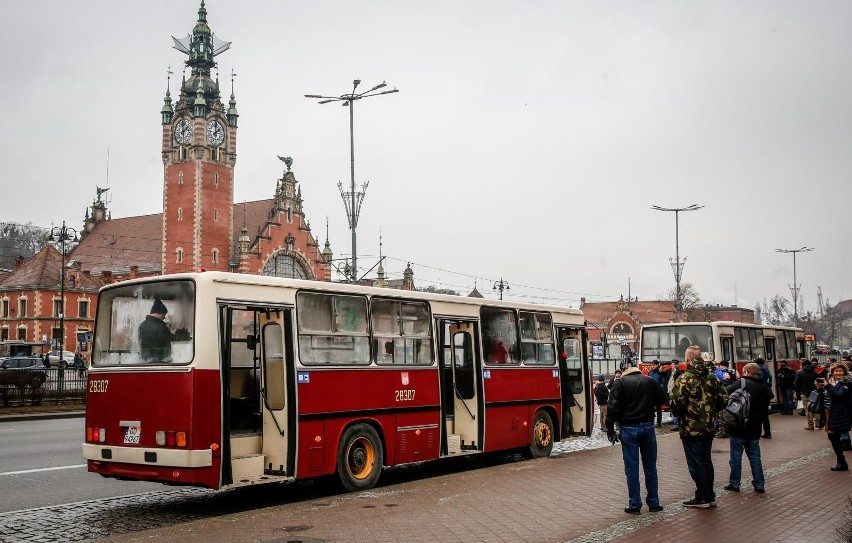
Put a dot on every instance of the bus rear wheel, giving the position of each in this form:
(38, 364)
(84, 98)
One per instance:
(359, 457)
(542, 436)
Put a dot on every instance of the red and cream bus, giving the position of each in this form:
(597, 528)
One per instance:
(737, 343)
(271, 379)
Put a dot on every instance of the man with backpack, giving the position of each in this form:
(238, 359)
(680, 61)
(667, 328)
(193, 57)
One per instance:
(748, 406)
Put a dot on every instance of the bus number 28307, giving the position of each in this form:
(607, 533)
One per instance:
(98, 385)
(406, 395)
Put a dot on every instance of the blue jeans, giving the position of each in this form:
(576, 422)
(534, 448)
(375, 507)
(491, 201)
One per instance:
(789, 404)
(639, 439)
(752, 450)
(700, 465)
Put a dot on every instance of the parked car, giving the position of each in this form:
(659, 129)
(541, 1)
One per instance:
(67, 357)
(22, 371)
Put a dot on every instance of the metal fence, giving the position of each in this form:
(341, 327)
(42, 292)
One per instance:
(61, 386)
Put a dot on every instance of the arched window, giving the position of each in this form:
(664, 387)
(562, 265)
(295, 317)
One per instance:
(179, 256)
(622, 328)
(283, 265)
(215, 256)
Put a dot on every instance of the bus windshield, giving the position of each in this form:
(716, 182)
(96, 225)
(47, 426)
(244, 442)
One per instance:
(670, 342)
(145, 324)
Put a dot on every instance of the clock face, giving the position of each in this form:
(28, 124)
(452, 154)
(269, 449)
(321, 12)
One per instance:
(183, 131)
(215, 133)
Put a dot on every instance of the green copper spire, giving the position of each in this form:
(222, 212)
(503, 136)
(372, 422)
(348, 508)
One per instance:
(201, 48)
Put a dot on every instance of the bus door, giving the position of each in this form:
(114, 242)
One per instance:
(258, 392)
(575, 383)
(461, 388)
(727, 344)
(278, 392)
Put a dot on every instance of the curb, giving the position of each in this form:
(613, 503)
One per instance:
(51, 415)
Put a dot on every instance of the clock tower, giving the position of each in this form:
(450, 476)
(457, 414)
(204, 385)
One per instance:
(199, 153)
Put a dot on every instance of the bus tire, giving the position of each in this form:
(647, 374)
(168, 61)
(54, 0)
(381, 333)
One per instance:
(359, 457)
(541, 443)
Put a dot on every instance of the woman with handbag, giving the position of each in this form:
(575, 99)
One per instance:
(838, 411)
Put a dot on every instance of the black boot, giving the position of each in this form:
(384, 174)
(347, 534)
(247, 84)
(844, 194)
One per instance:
(841, 466)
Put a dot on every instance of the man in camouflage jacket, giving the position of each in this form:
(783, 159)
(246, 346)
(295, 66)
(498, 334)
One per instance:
(697, 398)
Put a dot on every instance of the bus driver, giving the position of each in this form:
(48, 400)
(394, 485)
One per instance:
(155, 338)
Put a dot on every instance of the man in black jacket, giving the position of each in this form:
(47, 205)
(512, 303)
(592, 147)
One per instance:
(632, 404)
(748, 438)
(786, 377)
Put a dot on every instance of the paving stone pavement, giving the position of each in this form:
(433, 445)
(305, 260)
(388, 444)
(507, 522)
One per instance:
(572, 496)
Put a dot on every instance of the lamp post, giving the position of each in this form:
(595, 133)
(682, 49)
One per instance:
(501, 286)
(352, 200)
(677, 265)
(62, 234)
(795, 288)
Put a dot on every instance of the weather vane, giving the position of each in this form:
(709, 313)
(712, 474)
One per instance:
(288, 161)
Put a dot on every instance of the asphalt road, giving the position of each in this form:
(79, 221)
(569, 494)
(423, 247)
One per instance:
(41, 465)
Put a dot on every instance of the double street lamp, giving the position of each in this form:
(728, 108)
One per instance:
(677, 265)
(352, 200)
(61, 235)
(795, 288)
(501, 286)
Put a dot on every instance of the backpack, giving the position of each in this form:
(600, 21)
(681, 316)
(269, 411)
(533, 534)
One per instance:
(816, 403)
(736, 414)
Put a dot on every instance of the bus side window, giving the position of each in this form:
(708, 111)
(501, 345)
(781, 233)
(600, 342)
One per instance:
(273, 365)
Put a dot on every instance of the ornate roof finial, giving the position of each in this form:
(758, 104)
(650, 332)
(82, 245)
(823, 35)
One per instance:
(288, 161)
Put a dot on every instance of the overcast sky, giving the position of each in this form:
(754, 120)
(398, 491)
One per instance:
(527, 142)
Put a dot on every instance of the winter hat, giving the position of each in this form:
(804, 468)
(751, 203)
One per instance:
(601, 377)
(159, 307)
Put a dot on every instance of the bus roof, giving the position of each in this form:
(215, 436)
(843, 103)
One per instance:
(442, 303)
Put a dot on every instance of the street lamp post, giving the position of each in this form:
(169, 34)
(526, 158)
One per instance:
(501, 286)
(677, 265)
(62, 234)
(353, 202)
(795, 288)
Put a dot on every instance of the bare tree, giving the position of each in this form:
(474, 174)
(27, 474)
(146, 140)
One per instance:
(690, 302)
(20, 240)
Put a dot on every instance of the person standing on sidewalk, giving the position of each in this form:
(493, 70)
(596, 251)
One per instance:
(601, 397)
(661, 382)
(673, 374)
(804, 385)
(837, 393)
(786, 379)
(766, 378)
(748, 438)
(632, 403)
(697, 398)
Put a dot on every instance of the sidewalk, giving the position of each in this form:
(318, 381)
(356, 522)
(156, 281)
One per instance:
(577, 497)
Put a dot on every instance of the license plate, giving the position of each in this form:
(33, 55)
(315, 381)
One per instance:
(132, 434)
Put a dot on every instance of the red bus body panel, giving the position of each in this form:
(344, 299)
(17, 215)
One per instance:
(512, 397)
(408, 426)
(183, 401)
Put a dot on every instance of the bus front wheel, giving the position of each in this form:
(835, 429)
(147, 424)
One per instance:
(542, 436)
(359, 457)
